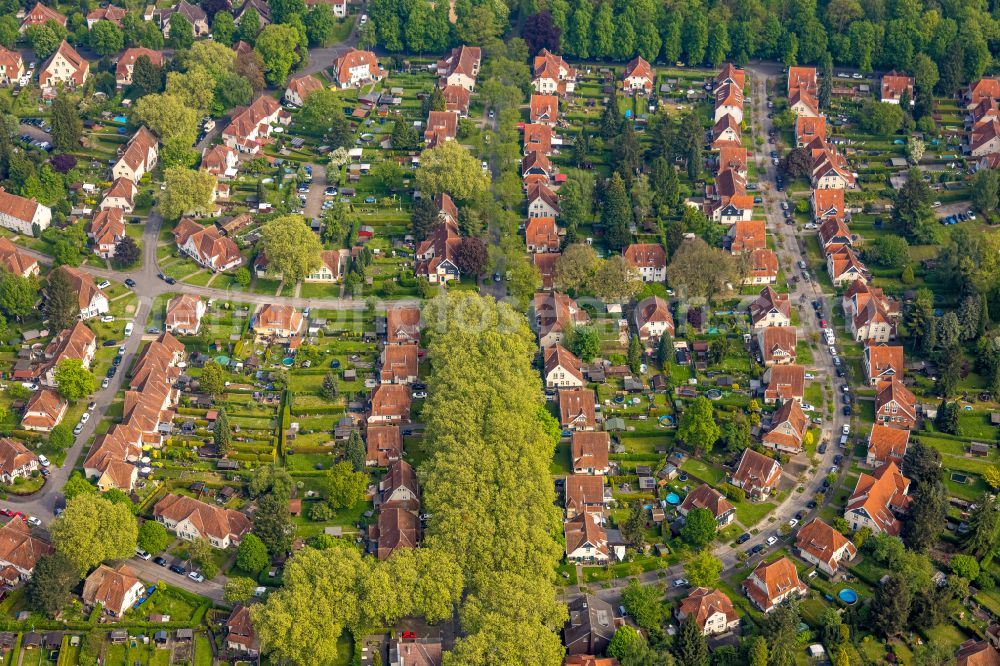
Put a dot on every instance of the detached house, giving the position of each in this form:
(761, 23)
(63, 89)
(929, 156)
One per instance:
(756, 474)
(870, 315)
(707, 497)
(460, 67)
(356, 67)
(77, 343)
(584, 494)
(14, 261)
(542, 202)
(802, 78)
(139, 157)
(823, 546)
(653, 319)
(184, 313)
(116, 590)
(108, 13)
(544, 109)
(638, 77)
(762, 267)
(771, 584)
(590, 627)
(332, 264)
(207, 246)
(726, 133)
(126, 63)
(561, 369)
(435, 256)
(456, 98)
(193, 13)
(65, 67)
(220, 160)
(784, 382)
(577, 409)
(649, 259)
(747, 236)
(895, 405)
(92, 301)
(441, 126)
(541, 235)
(878, 500)
(398, 364)
(553, 313)
(827, 203)
(844, 266)
(733, 157)
(589, 452)
(788, 428)
(240, 635)
(44, 411)
(770, 309)
(803, 103)
(19, 551)
(777, 345)
(894, 85)
(551, 74)
(40, 15)
(712, 610)
(121, 195)
(279, 321)
(986, 89)
(106, 230)
(886, 444)
(300, 87)
(11, 67)
(251, 126)
(23, 215)
(16, 461)
(389, 403)
(192, 520)
(586, 540)
(882, 363)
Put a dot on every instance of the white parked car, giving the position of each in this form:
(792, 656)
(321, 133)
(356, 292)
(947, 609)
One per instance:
(104, 284)
(681, 582)
(793, 522)
(78, 429)
(810, 375)
(34, 522)
(771, 540)
(43, 461)
(31, 386)
(141, 554)
(419, 395)
(107, 318)
(85, 417)
(105, 383)
(129, 327)
(806, 407)
(196, 577)
(846, 429)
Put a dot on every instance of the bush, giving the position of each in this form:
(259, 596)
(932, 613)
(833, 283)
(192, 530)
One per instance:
(321, 512)
(733, 493)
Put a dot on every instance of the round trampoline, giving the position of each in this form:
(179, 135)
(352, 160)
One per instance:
(848, 596)
(713, 394)
(287, 361)
(673, 499)
(222, 360)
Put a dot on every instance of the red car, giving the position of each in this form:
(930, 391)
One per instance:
(18, 514)
(6, 512)
(822, 323)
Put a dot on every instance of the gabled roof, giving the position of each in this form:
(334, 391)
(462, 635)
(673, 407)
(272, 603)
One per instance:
(19, 548)
(541, 191)
(277, 316)
(732, 157)
(17, 206)
(977, 653)
(548, 65)
(881, 495)
(441, 126)
(355, 58)
(584, 492)
(639, 68)
(107, 226)
(748, 235)
(542, 232)
(886, 443)
(786, 382)
(544, 108)
(41, 14)
(707, 497)
(823, 542)
(211, 246)
(844, 261)
(576, 408)
(589, 449)
(806, 98)
(645, 255)
(14, 260)
(776, 339)
(109, 587)
(246, 119)
(729, 94)
(304, 85)
(13, 455)
(769, 582)
(893, 85)
(390, 400)
(108, 13)
(884, 361)
(835, 232)
(129, 57)
(757, 471)
(828, 202)
(44, 409)
(790, 413)
(730, 73)
(770, 301)
(894, 391)
(653, 309)
(122, 188)
(726, 122)
(210, 520)
(456, 98)
(558, 356)
(807, 127)
(585, 530)
(402, 324)
(461, 60)
(763, 263)
(82, 283)
(538, 136)
(79, 64)
(703, 603)
(555, 312)
(183, 310)
(800, 78)
(11, 62)
(398, 362)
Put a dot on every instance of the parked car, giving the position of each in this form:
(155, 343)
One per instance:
(34, 522)
(104, 284)
(141, 554)
(681, 582)
(178, 569)
(43, 461)
(743, 538)
(196, 577)
(107, 318)
(159, 559)
(771, 540)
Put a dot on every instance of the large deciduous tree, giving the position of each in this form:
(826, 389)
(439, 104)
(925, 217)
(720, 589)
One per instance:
(293, 250)
(188, 192)
(276, 46)
(344, 486)
(699, 527)
(93, 529)
(698, 426)
(450, 168)
(698, 270)
(73, 380)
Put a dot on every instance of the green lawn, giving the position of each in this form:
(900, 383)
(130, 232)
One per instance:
(751, 513)
(701, 470)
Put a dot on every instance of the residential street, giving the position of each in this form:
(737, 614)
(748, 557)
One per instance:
(802, 294)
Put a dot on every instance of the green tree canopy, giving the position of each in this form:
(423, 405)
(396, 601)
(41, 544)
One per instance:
(293, 250)
(93, 529)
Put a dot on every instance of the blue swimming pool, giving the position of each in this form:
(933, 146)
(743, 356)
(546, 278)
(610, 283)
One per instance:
(674, 499)
(848, 596)
(121, 119)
